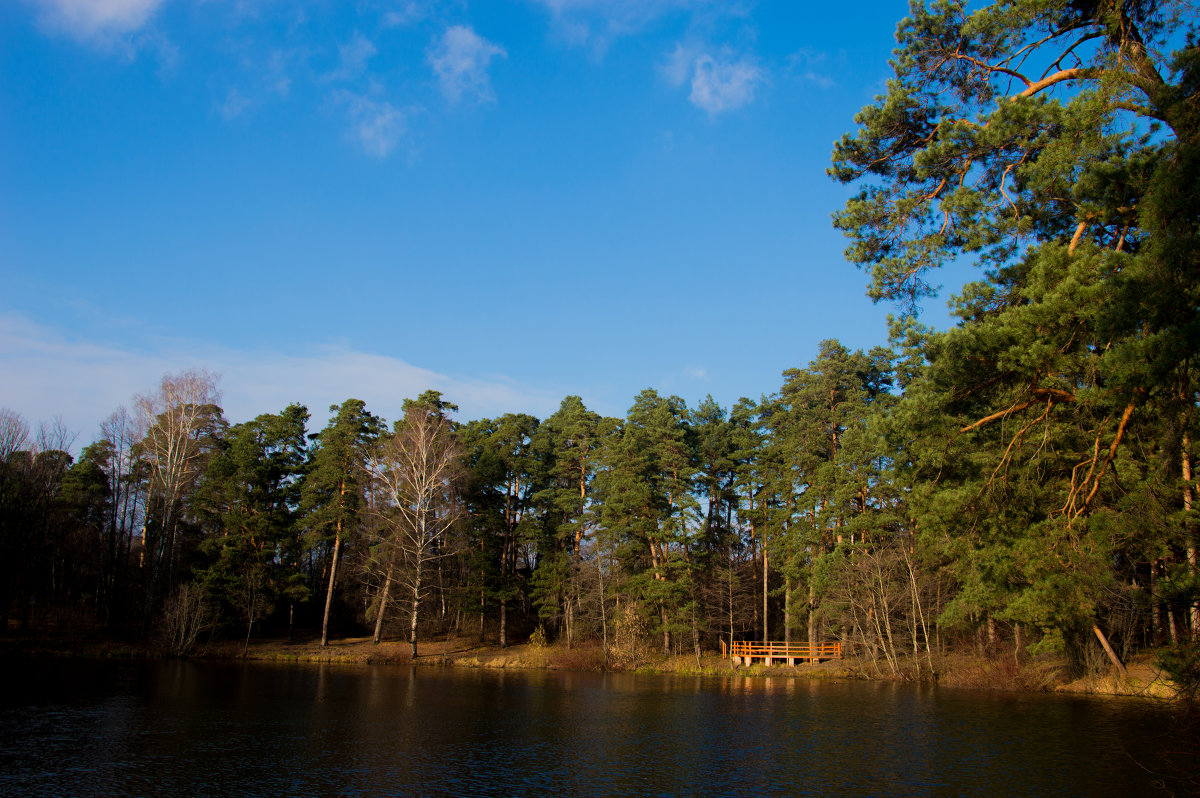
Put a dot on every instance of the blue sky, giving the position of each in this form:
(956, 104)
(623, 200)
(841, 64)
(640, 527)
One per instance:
(509, 202)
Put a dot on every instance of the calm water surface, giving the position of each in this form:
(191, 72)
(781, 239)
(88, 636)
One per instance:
(186, 728)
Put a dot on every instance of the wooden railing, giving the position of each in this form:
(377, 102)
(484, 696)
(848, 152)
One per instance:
(812, 652)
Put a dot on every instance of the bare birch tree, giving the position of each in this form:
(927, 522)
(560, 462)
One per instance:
(14, 433)
(175, 418)
(415, 471)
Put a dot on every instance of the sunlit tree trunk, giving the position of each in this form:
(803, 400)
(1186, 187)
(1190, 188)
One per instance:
(503, 623)
(812, 611)
(416, 608)
(383, 602)
(787, 610)
(333, 566)
(766, 571)
(603, 607)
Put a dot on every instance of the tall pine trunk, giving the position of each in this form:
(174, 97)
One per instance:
(337, 547)
(503, 623)
(1193, 558)
(383, 602)
(787, 610)
(812, 611)
(766, 570)
(659, 562)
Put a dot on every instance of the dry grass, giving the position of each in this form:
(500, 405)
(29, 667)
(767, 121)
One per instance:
(586, 657)
(1050, 673)
(1001, 673)
(347, 650)
(461, 651)
(1143, 679)
(1039, 674)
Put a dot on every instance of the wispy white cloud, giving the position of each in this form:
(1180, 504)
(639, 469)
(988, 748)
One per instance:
(235, 104)
(376, 124)
(264, 382)
(683, 381)
(460, 60)
(354, 56)
(277, 75)
(86, 19)
(723, 85)
(810, 65)
(50, 373)
(596, 23)
(679, 64)
(719, 83)
(157, 44)
(405, 14)
(259, 80)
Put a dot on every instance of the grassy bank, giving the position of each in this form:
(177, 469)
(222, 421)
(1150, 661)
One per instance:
(1047, 674)
(960, 671)
(469, 653)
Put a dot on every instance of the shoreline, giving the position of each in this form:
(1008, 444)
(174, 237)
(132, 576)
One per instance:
(997, 674)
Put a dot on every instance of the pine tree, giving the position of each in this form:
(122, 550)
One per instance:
(571, 441)
(648, 506)
(251, 493)
(1055, 146)
(335, 487)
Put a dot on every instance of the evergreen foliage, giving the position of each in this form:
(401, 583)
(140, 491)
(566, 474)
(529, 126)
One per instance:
(1024, 480)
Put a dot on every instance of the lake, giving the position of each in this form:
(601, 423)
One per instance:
(76, 727)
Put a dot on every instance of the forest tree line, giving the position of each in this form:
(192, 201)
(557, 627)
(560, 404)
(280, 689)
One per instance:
(703, 522)
(1021, 482)
(792, 517)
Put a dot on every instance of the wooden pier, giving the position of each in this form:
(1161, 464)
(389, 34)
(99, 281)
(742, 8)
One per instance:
(745, 652)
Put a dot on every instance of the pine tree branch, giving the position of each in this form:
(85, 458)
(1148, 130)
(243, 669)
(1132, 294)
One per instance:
(1052, 395)
(1008, 450)
(1074, 73)
(989, 68)
(1112, 453)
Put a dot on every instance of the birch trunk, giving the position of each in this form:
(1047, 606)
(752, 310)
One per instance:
(416, 607)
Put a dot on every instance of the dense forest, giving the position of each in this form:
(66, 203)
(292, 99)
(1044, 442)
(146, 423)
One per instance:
(1022, 482)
